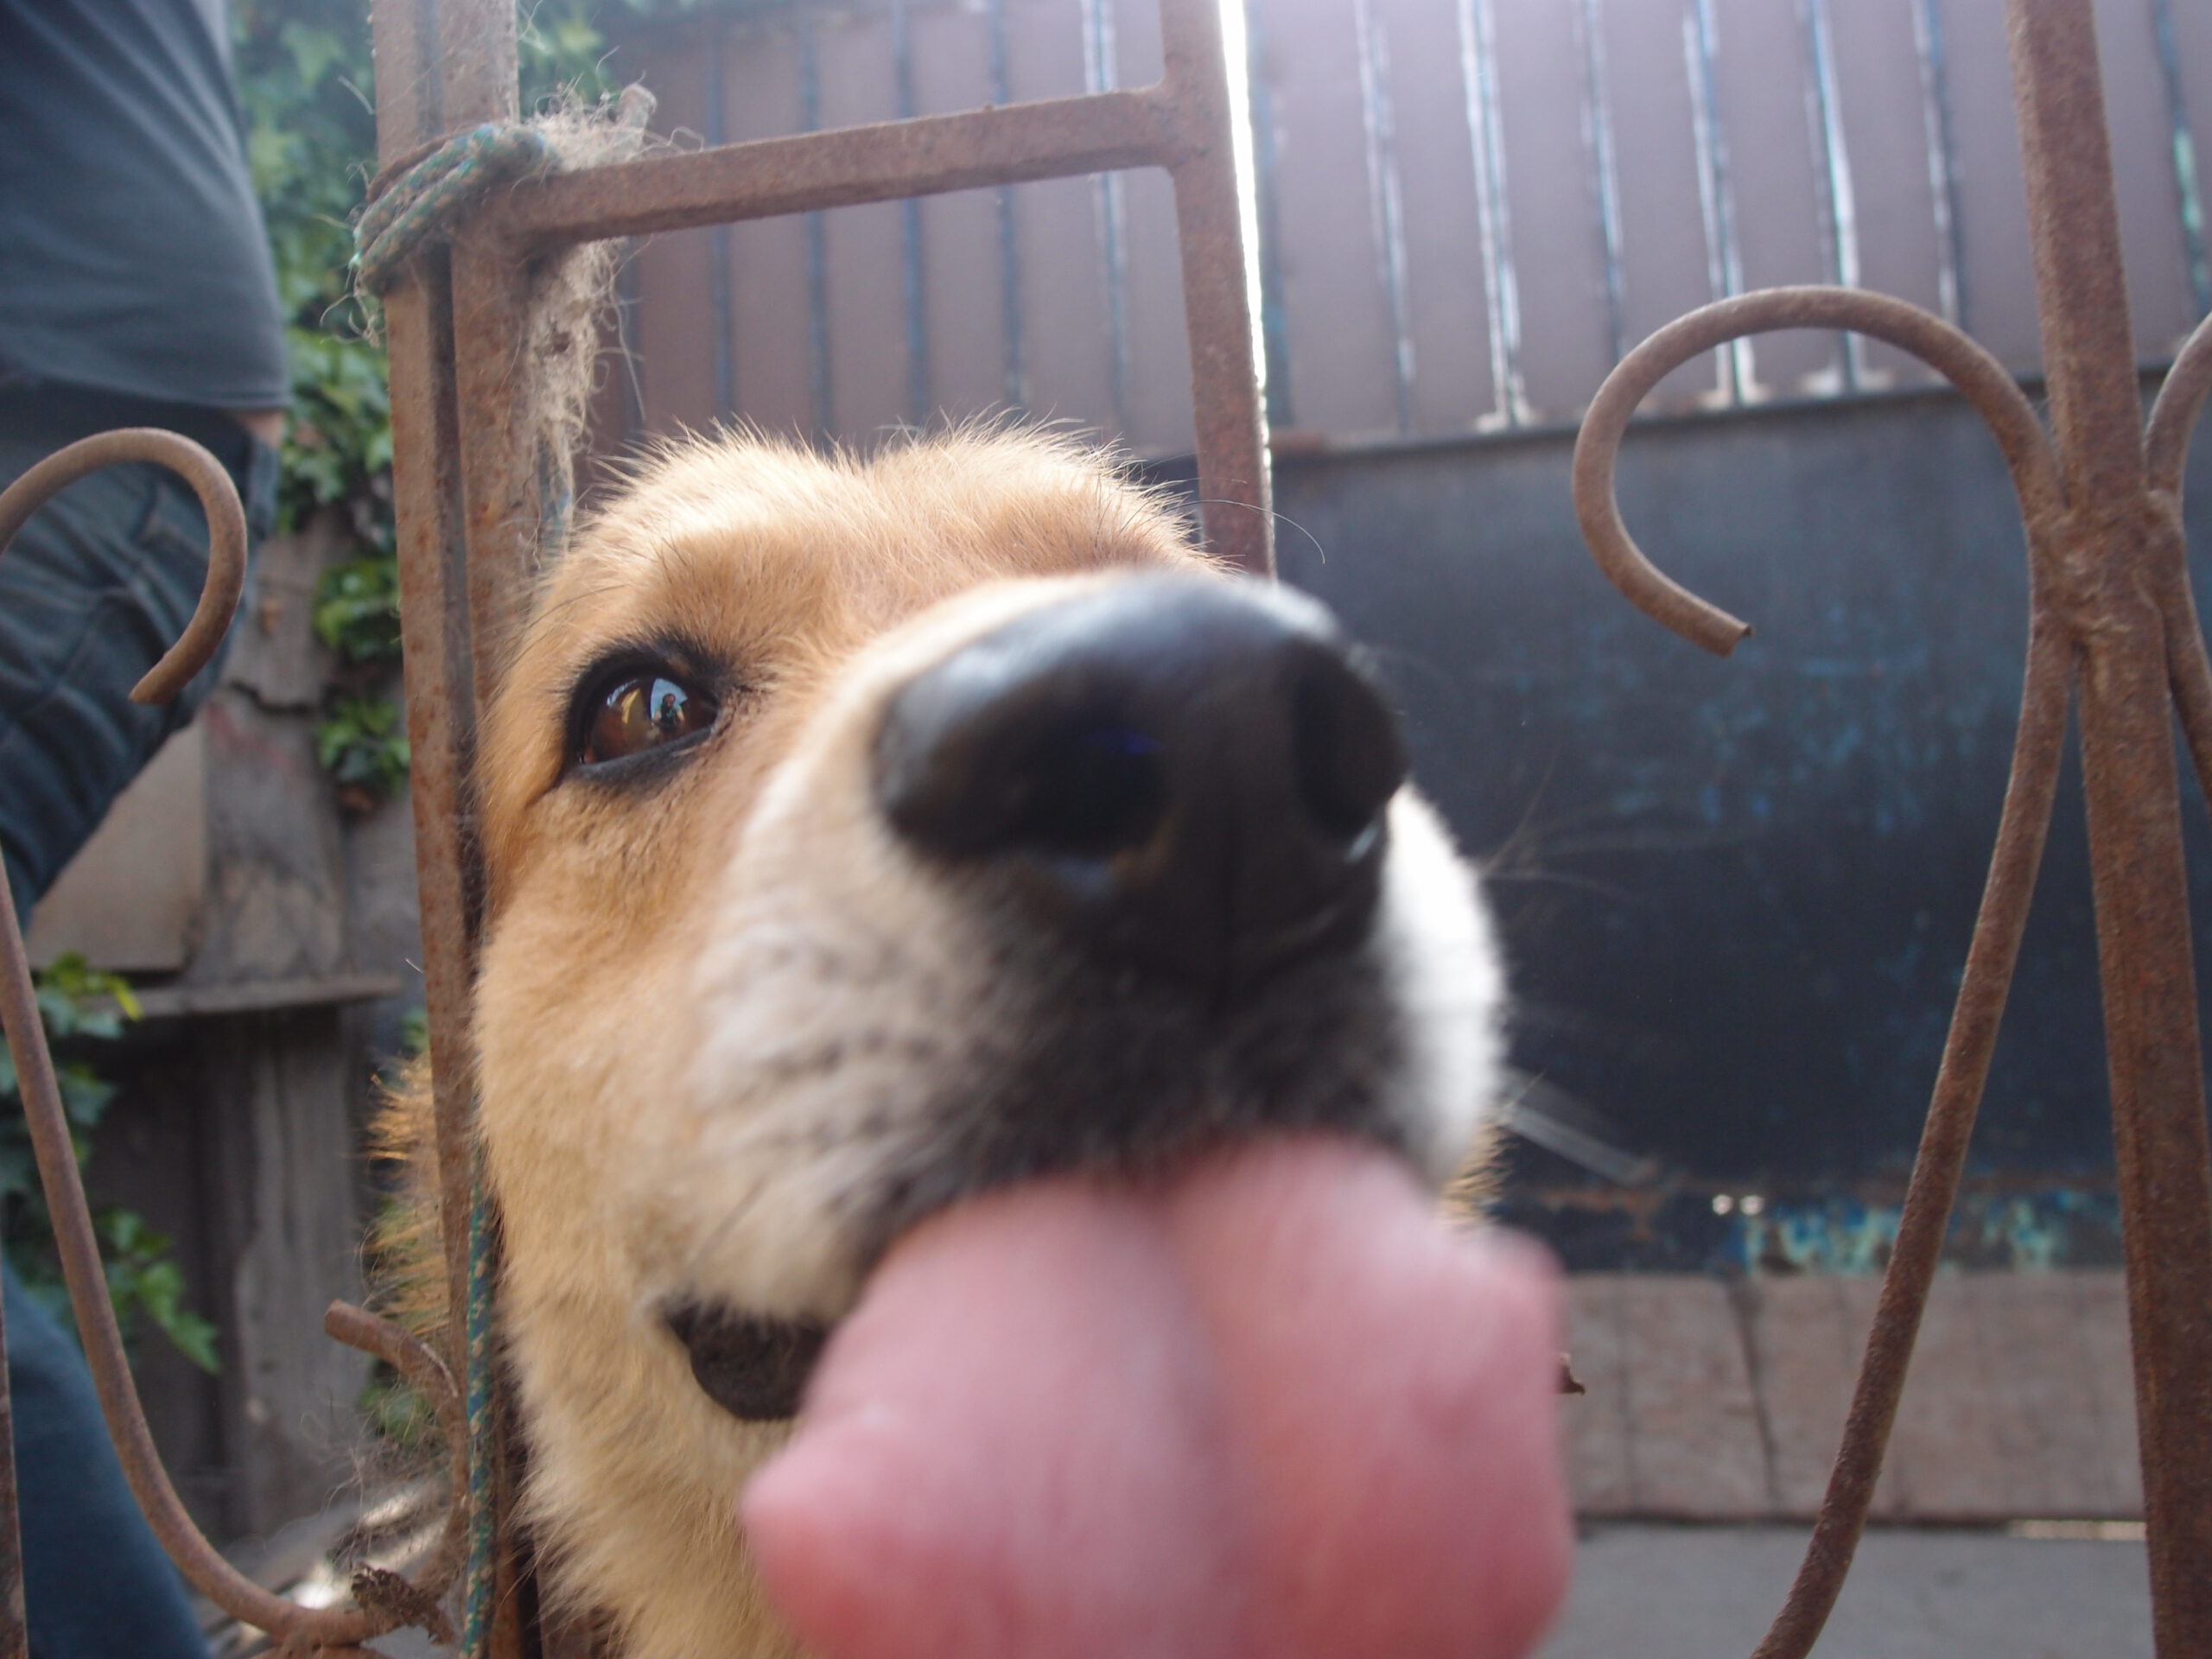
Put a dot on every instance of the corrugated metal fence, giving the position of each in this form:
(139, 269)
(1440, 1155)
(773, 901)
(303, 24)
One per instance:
(1469, 208)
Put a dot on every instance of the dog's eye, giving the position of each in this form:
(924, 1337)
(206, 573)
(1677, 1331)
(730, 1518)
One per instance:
(643, 711)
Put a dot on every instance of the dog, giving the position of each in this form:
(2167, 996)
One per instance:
(868, 838)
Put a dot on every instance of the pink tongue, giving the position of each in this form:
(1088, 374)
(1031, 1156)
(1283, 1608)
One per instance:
(1270, 1408)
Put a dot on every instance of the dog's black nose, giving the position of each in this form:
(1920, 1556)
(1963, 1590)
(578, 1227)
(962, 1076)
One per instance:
(1186, 774)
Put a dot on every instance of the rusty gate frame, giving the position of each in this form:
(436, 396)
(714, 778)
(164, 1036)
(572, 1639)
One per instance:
(2113, 623)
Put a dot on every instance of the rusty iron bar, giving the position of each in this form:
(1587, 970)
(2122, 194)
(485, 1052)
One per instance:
(2165, 445)
(1184, 124)
(433, 626)
(2121, 557)
(425, 1371)
(1977, 376)
(299, 1627)
(2111, 621)
(442, 69)
(474, 52)
(218, 598)
(2173, 417)
(2023, 825)
(889, 161)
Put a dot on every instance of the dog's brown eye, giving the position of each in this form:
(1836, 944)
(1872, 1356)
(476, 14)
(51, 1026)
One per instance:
(644, 711)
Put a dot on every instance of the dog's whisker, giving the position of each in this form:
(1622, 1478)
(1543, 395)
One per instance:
(852, 1136)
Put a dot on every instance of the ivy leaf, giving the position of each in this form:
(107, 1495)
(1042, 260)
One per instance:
(357, 609)
(144, 1282)
(85, 1004)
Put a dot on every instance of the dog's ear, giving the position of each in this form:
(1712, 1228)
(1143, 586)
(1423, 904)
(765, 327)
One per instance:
(406, 1250)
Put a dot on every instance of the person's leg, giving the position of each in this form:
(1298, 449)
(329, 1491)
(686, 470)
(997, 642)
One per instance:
(93, 591)
(96, 1585)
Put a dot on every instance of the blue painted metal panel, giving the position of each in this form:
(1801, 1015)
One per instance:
(1737, 894)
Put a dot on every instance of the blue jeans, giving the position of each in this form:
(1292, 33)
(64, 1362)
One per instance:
(96, 1583)
(93, 591)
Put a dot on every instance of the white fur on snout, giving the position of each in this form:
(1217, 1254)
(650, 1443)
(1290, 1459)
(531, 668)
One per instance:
(1433, 938)
(847, 985)
(843, 983)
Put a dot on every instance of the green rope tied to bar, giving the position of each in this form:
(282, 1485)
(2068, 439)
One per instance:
(476, 1620)
(560, 342)
(423, 202)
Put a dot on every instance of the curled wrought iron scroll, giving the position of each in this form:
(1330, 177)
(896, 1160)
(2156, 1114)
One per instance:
(2057, 613)
(298, 1628)
(2165, 446)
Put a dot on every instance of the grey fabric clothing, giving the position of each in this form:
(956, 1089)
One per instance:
(135, 288)
(132, 253)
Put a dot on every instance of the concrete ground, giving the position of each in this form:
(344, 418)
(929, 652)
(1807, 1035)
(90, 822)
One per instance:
(1709, 1593)
(1720, 1402)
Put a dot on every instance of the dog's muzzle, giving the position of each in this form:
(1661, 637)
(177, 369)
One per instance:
(1184, 777)
(1169, 794)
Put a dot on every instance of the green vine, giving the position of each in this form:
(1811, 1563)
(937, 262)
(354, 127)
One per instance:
(362, 744)
(305, 79)
(80, 1005)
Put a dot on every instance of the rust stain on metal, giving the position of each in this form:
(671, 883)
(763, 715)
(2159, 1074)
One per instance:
(433, 623)
(1234, 486)
(427, 1373)
(886, 161)
(2113, 620)
(2121, 556)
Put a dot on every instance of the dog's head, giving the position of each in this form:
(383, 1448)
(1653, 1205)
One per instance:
(863, 836)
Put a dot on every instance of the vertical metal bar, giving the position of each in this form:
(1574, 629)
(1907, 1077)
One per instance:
(1724, 257)
(717, 133)
(433, 619)
(2153, 1050)
(1216, 221)
(1101, 73)
(1012, 326)
(500, 498)
(918, 400)
(1274, 321)
(477, 55)
(1605, 172)
(2188, 186)
(817, 246)
(1942, 161)
(1831, 175)
(1480, 97)
(1385, 205)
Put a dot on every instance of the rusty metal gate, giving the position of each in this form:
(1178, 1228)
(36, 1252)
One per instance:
(2113, 636)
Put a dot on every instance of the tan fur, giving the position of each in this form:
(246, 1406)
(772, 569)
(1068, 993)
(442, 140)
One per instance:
(790, 563)
(406, 1241)
(666, 969)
